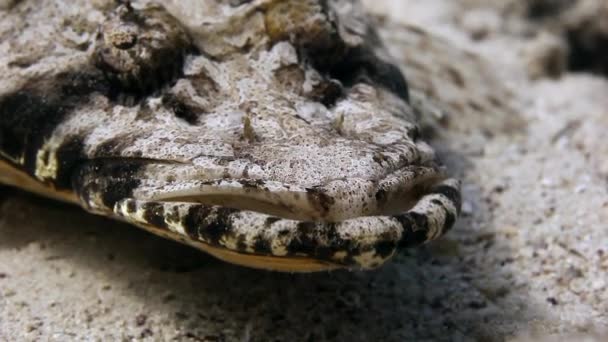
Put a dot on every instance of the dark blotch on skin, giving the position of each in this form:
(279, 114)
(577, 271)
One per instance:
(241, 244)
(304, 243)
(335, 243)
(114, 146)
(495, 101)
(319, 200)
(415, 228)
(362, 65)
(327, 92)
(180, 109)
(379, 158)
(421, 221)
(538, 9)
(588, 49)
(449, 217)
(414, 133)
(390, 77)
(320, 244)
(194, 220)
(79, 84)
(385, 248)
(154, 214)
(262, 246)
(199, 227)
(28, 117)
(115, 191)
(173, 215)
(381, 196)
(131, 208)
(452, 194)
(475, 106)
(269, 221)
(350, 65)
(220, 226)
(251, 183)
(455, 76)
(69, 155)
(113, 180)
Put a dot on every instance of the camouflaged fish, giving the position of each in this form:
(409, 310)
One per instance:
(274, 134)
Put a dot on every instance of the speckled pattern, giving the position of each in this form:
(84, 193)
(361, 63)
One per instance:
(527, 259)
(265, 128)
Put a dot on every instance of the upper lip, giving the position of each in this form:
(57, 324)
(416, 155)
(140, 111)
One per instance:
(333, 201)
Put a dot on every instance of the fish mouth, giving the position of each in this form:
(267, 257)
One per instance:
(345, 223)
(334, 201)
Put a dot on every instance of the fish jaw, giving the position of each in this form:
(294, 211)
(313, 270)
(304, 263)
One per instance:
(259, 240)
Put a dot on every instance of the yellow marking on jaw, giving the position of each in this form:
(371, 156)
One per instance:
(47, 164)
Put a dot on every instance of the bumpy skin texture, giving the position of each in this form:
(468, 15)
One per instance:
(266, 128)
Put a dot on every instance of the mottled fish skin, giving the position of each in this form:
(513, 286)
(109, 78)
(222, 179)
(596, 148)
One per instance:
(263, 127)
